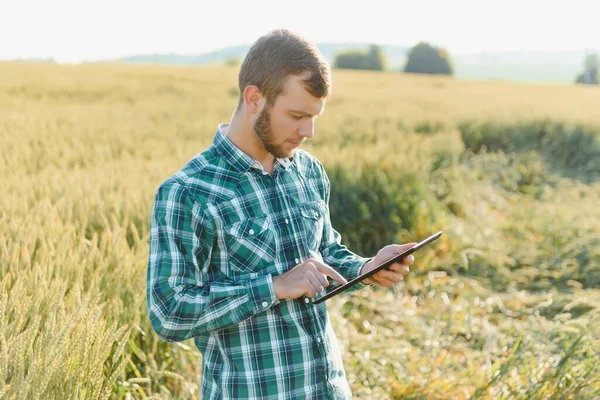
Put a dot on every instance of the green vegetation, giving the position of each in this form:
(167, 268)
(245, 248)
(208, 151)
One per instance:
(373, 59)
(505, 305)
(424, 58)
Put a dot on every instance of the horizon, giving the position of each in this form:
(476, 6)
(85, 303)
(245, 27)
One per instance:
(70, 32)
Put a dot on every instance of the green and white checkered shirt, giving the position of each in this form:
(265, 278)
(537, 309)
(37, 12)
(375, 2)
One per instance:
(221, 228)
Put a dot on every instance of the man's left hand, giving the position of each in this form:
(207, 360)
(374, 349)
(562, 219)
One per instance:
(395, 272)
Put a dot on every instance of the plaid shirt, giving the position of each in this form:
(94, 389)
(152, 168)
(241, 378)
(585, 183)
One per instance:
(221, 228)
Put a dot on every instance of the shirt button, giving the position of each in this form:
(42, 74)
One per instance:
(286, 221)
(316, 214)
(319, 340)
(264, 304)
(297, 261)
(251, 231)
(306, 300)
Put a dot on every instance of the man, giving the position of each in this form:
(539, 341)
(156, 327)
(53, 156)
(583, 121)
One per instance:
(241, 239)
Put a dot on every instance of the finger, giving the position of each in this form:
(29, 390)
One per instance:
(400, 268)
(384, 282)
(408, 260)
(330, 272)
(322, 279)
(400, 248)
(392, 276)
(316, 280)
(310, 291)
(309, 288)
(314, 271)
(315, 283)
(389, 278)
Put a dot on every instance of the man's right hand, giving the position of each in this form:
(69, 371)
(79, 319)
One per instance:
(308, 278)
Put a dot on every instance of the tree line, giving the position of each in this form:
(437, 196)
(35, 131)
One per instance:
(424, 58)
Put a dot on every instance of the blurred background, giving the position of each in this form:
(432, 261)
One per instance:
(481, 119)
(529, 41)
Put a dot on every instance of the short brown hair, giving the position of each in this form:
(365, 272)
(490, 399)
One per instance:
(278, 55)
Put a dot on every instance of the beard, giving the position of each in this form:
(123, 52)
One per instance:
(266, 137)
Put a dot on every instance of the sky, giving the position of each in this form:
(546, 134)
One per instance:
(74, 31)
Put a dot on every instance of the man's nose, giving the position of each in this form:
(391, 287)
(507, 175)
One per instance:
(308, 128)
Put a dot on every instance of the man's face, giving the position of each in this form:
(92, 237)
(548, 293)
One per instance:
(284, 126)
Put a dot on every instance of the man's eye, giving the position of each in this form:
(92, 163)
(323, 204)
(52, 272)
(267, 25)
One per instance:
(296, 117)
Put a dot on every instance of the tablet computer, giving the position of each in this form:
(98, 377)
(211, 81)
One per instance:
(383, 265)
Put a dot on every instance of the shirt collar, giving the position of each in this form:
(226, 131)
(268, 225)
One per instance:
(236, 157)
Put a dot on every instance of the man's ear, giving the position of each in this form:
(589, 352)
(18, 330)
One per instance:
(252, 99)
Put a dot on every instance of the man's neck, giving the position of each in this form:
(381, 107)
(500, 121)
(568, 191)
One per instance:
(241, 135)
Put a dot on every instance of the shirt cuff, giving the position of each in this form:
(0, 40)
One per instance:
(354, 271)
(362, 283)
(262, 293)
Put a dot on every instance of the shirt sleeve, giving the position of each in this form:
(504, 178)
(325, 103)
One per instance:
(335, 254)
(183, 299)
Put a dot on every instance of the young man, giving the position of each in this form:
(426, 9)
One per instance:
(241, 238)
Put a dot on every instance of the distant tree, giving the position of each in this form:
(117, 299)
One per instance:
(426, 59)
(590, 71)
(373, 59)
(377, 58)
(352, 59)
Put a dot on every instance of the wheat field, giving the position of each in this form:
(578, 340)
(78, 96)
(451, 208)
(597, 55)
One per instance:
(506, 305)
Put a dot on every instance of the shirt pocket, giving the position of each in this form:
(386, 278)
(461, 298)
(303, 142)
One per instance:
(312, 218)
(250, 244)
